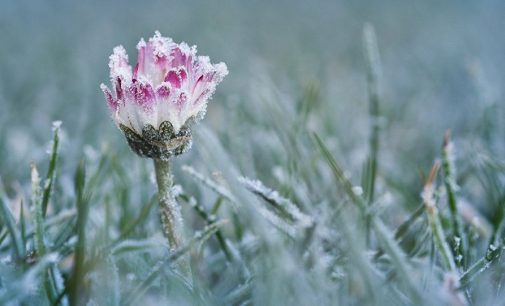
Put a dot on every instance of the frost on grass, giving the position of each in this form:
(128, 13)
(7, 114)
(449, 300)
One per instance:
(56, 125)
(285, 208)
(214, 186)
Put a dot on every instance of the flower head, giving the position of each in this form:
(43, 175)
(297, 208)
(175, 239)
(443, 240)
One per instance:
(155, 102)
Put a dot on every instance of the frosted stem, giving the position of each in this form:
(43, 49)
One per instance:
(170, 211)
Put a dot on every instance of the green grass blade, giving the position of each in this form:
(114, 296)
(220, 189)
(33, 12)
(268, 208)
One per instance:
(492, 254)
(282, 206)
(40, 245)
(146, 209)
(339, 175)
(373, 78)
(209, 219)
(51, 222)
(404, 227)
(449, 169)
(77, 277)
(22, 224)
(134, 245)
(210, 184)
(21, 289)
(10, 223)
(50, 177)
(39, 230)
(435, 224)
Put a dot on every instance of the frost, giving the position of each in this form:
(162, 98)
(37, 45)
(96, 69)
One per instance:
(158, 98)
(357, 190)
(162, 46)
(141, 44)
(56, 125)
(177, 190)
(457, 242)
(49, 148)
(6, 260)
(72, 240)
(279, 223)
(131, 276)
(337, 273)
(273, 197)
(279, 174)
(118, 64)
(210, 183)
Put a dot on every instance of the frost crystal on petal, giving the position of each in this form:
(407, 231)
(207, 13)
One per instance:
(162, 46)
(118, 64)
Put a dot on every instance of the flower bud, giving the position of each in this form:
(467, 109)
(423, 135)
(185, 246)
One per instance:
(155, 103)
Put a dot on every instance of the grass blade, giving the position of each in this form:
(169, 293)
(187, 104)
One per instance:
(434, 220)
(50, 177)
(282, 206)
(77, 277)
(131, 226)
(404, 227)
(40, 245)
(209, 219)
(39, 230)
(12, 229)
(22, 224)
(21, 289)
(373, 79)
(493, 253)
(383, 234)
(200, 237)
(449, 169)
(210, 183)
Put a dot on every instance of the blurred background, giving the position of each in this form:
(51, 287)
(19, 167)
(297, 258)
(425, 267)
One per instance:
(443, 67)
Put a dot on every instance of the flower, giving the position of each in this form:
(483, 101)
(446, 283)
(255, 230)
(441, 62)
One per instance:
(155, 103)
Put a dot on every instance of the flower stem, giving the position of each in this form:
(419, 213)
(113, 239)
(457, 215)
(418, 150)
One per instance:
(170, 211)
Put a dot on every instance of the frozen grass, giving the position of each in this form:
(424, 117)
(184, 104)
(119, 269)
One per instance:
(309, 182)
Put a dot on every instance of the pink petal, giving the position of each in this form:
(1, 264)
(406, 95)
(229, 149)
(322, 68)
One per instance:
(179, 57)
(183, 74)
(143, 95)
(173, 78)
(141, 58)
(111, 102)
(202, 97)
(135, 71)
(182, 55)
(119, 90)
(154, 58)
(163, 91)
(161, 64)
